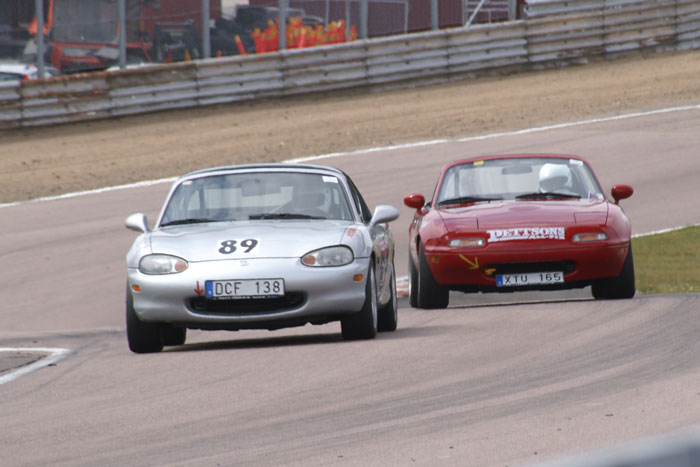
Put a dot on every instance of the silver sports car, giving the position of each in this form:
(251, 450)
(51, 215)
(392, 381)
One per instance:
(260, 247)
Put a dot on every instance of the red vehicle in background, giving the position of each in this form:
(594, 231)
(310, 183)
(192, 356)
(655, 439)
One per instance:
(522, 222)
(84, 33)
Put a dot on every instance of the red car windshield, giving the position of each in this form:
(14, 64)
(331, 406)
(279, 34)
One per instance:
(518, 178)
(85, 21)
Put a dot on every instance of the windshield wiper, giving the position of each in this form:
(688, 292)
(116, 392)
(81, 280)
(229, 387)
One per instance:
(467, 199)
(547, 194)
(191, 220)
(283, 215)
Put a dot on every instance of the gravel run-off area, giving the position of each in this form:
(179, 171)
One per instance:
(47, 161)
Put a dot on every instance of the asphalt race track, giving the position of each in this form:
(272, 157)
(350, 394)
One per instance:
(493, 380)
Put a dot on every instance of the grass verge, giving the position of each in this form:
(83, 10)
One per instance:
(668, 262)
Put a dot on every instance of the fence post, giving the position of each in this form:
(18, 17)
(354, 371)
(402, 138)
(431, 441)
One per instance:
(121, 45)
(512, 10)
(282, 6)
(39, 11)
(434, 20)
(364, 13)
(347, 20)
(206, 40)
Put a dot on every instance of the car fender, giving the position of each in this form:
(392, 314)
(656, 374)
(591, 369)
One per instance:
(432, 230)
(140, 248)
(359, 240)
(383, 252)
(618, 224)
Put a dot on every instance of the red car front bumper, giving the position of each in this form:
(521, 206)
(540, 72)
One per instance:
(580, 264)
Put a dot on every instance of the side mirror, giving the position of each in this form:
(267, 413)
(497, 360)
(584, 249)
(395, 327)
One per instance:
(415, 201)
(620, 192)
(384, 213)
(137, 222)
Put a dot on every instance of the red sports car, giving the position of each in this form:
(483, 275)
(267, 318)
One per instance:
(519, 222)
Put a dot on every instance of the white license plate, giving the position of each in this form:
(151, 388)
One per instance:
(530, 278)
(245, 288)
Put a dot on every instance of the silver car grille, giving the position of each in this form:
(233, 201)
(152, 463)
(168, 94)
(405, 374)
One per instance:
(247, 305)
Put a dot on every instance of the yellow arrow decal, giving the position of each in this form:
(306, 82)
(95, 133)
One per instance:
(472, 264)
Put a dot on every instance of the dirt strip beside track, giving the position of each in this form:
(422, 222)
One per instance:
(62, 159)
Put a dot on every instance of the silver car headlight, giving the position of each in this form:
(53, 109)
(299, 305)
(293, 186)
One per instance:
(329, 256)
(162, 264)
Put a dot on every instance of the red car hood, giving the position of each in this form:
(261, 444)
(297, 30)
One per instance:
(507, 214)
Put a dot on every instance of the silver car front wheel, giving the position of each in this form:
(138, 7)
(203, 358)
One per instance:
(389, 313)
(363, 324)
(142, 337)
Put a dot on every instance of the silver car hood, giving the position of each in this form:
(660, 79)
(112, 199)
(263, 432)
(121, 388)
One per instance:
(275, 239)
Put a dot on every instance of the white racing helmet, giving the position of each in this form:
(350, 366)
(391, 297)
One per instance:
(554, 177)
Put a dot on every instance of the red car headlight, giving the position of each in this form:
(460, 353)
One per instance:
(589, 237)
(469, 242)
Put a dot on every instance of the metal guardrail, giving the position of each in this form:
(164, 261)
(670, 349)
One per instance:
(539, 8)
(557, 32)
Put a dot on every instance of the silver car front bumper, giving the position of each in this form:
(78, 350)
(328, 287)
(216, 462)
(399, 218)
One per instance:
(328, 293)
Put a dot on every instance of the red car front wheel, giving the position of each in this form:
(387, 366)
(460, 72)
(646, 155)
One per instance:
(430, 294)
(618, 287)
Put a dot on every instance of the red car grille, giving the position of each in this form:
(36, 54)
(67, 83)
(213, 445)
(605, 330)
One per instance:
(538, 266)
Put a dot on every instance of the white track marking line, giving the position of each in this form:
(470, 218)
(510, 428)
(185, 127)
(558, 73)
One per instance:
(91, 192)
(387, 148)
(54, 355)
(662, 231)
(526, 131)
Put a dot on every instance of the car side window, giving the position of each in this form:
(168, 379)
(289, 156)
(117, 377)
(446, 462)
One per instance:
(359, 201)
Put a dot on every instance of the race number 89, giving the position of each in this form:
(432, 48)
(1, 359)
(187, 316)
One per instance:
(228, 247)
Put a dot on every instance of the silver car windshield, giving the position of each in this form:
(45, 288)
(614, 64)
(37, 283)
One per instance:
(518, 178)
(257, 195)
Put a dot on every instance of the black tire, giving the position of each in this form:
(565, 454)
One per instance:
(173, 335)
(142, 337)
(431, 295)
(363, 324)
(413, 282)
(619, 287)
(388, 315)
